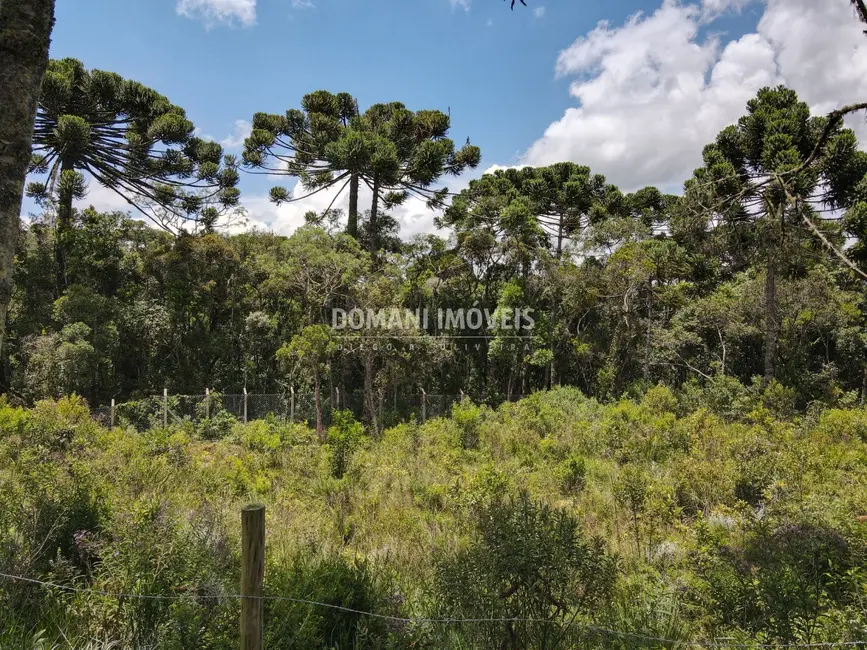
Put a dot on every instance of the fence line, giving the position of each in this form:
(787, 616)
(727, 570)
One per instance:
(416, 620)
(161, 410)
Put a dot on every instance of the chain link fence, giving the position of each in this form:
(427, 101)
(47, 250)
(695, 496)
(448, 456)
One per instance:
(164, 410)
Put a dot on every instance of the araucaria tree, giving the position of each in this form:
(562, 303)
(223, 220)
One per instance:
(761, 187)
(25, 35)
(294, 144)
(130, 139)
(395, 152)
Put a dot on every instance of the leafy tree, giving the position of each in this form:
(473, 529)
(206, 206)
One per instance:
(395, 152)
(311, 349)
(319, 269)
(129, 138)
(25, 35)
(761, 182)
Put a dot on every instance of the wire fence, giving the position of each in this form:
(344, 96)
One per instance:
(590, 629)
(381, 410)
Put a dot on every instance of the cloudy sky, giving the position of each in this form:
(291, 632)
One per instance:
(632, 88)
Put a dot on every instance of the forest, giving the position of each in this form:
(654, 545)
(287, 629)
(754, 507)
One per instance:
(754, 275)
(673, 454)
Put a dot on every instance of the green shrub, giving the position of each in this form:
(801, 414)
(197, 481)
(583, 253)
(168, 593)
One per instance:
(526, 560)
(838, 425)
(574, 474)
(723, 395)
(780, 581)
(344, 436)
(334, 580)
(468, 418)
(660, 399)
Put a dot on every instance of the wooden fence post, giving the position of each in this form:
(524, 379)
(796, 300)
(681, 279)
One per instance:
(337, 402)
(207, 404)
(245, 405)
(423, 406)
(165, 407)
(252, 575)
(112, 413)
(292, 404)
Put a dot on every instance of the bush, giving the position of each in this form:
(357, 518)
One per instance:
(781, 582)
(334, 580)
(526, 560)
(574, 474)
(468, 417)
(344, 436)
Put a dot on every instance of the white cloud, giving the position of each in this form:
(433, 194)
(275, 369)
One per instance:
(463, 4)
(302, 4)
(219, 11)
(103, 199)
(413, 216)
(714, 8)
(651, 94)
(240, 133)
(538, 12)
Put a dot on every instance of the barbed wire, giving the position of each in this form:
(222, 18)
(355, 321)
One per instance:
(443, 621)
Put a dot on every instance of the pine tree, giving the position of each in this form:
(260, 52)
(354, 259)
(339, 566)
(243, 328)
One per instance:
(130, 139)
(294, 144)
(763, 180)
(395, 152)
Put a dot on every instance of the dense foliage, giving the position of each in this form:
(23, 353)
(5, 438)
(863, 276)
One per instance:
(739, 280)
(711, 487)
(673, 516)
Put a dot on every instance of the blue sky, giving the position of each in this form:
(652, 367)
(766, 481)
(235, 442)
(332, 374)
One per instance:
(495, 68)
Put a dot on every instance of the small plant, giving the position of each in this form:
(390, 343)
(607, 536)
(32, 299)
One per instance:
(213, 421)
(468, 417)
(527, 560)
(574, 473)
(343, 438)
(632, 491)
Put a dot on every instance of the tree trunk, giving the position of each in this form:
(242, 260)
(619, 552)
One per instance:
(25, 35)
(352, 225)
(864, 387)
(64, 226)
(318, 390)
(770, 322)
(560, 239)
(369, 402)
(648, 335)
(374, 213)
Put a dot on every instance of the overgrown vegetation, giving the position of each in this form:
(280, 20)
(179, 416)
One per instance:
(661, 516)
(712, 488)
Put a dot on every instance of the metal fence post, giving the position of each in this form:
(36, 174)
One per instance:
(165, 407)
(252, 575)
(112, 413)
(245, 405)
